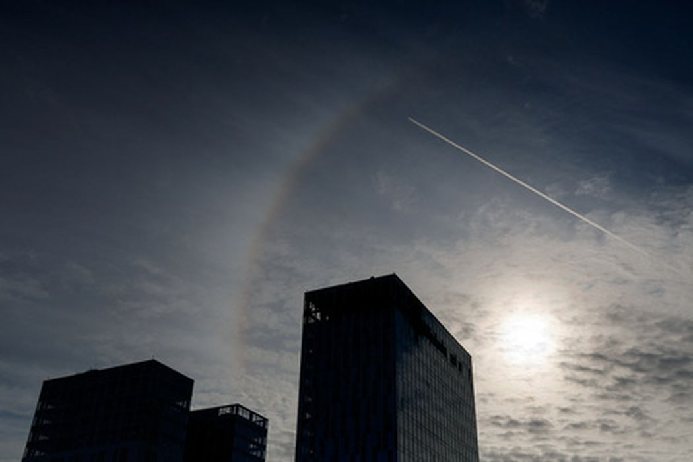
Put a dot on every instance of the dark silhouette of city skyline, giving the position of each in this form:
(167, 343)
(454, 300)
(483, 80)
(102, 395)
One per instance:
(381, 380)
(138, 412)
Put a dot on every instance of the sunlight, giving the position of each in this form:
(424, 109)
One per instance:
(526, 338)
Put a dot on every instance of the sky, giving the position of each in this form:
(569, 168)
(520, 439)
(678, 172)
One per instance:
(175, 175)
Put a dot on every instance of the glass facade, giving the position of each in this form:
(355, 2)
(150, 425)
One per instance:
(381, 379)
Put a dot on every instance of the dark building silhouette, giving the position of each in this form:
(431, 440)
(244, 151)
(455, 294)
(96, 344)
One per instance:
(381, 379)
(131, 413)
(231, 433)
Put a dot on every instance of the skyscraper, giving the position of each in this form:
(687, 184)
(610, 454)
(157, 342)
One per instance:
(230, 433)
(136, 412)
(381, 379)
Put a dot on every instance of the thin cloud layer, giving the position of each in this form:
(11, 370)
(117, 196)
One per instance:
(174, 177)
(621, 370)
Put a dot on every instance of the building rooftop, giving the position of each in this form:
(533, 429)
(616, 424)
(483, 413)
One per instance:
(147, 364)
(235, 409)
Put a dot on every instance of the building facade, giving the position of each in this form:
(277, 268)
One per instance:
(131, 413)
(381, 379)
(230, 433)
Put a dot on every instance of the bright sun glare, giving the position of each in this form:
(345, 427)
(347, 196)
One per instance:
(526, 338)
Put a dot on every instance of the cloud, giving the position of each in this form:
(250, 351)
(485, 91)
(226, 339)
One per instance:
(21, 287)
(534, 426)
(401, 195)
(623, 354)
(142, 251)
(597, 187)
(536, 8)
(475, 249)
(75, 276)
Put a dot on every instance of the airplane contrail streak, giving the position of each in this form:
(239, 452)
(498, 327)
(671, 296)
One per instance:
(531, 188)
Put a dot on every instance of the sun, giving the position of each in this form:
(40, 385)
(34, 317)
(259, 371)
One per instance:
(526, 338)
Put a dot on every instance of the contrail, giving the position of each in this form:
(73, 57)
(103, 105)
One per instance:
(531, 188)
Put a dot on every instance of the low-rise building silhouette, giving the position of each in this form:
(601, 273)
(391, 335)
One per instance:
(134, 412)
(138, 412)
(381, 379)
(230, 433)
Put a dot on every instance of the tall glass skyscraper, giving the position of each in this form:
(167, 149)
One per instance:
(381, 379)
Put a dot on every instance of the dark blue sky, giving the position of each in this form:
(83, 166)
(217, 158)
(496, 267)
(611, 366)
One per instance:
(173, 176)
